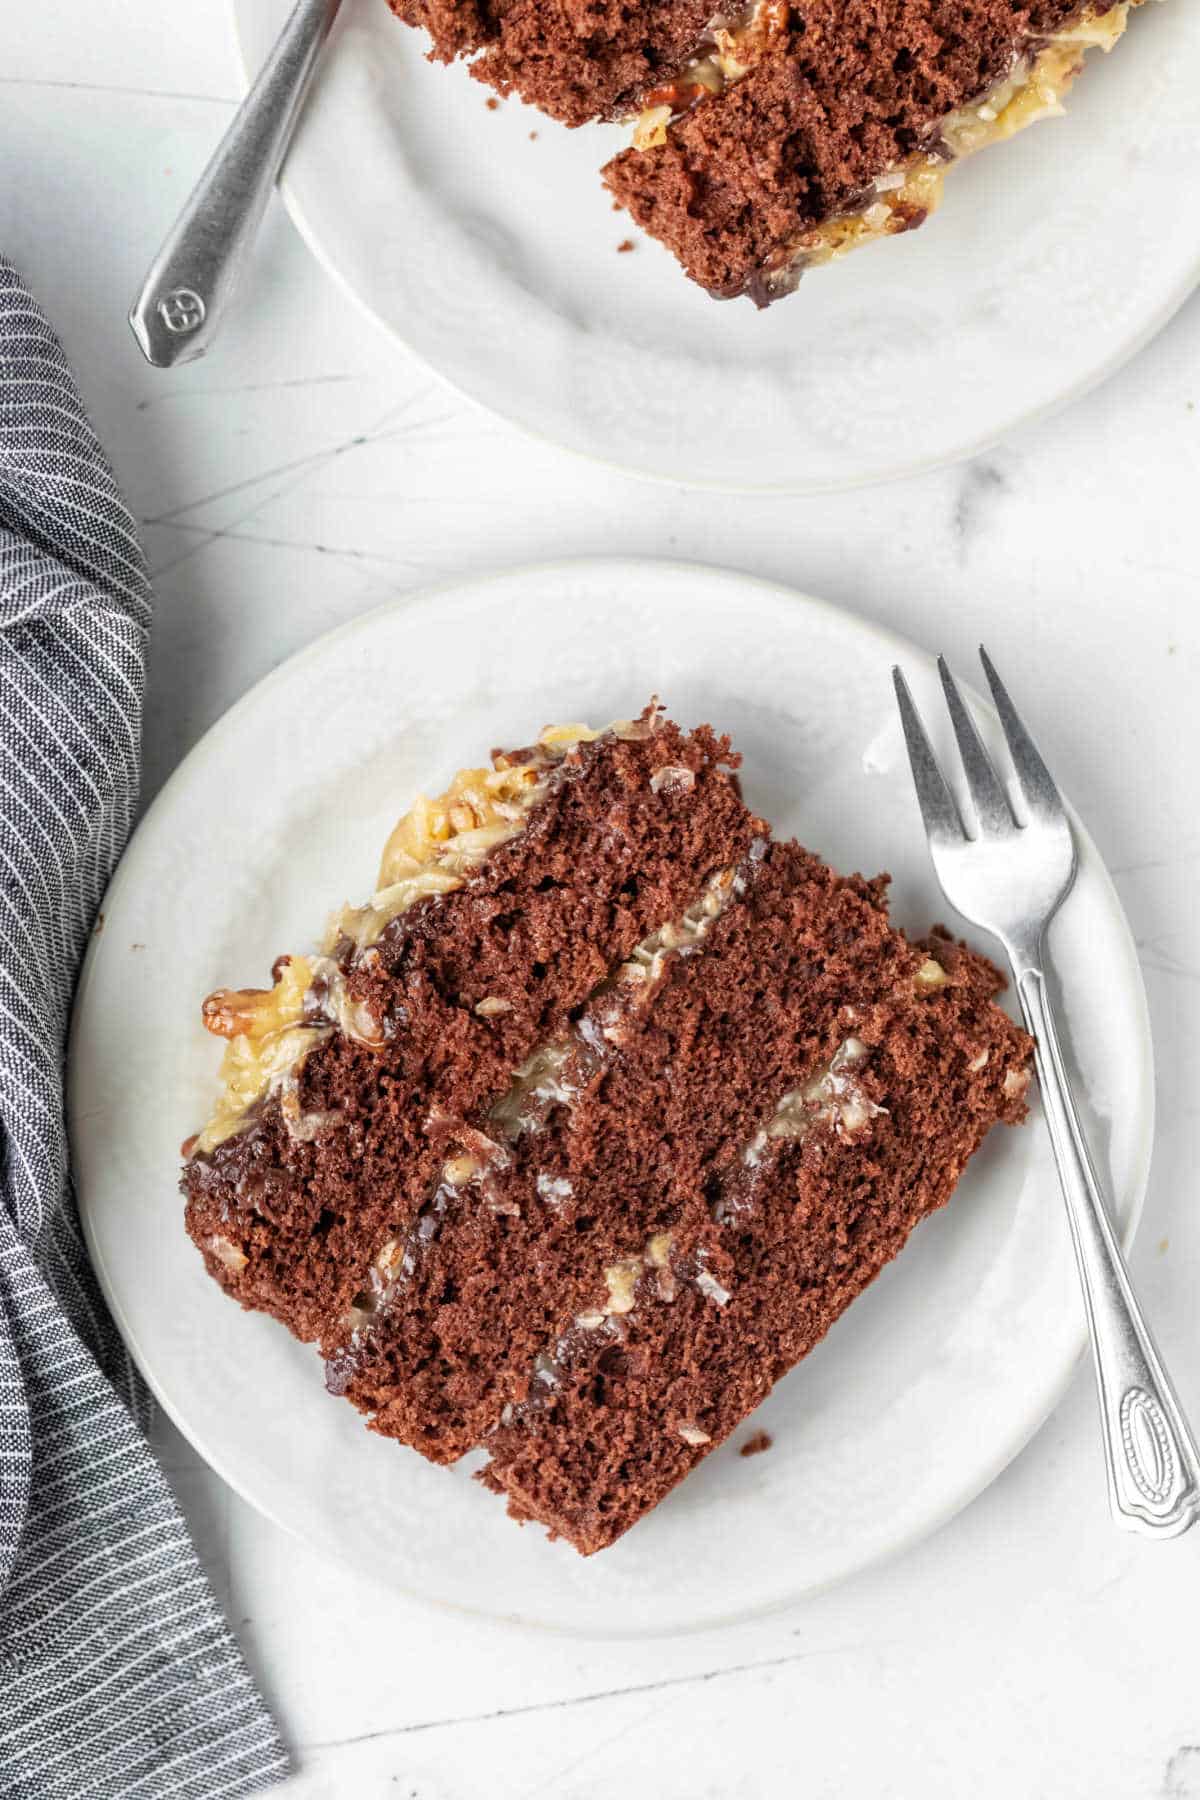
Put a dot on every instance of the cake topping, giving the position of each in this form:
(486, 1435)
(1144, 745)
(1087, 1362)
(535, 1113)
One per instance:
(266, 1039)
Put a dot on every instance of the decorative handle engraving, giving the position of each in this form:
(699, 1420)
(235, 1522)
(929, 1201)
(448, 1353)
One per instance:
(1153, 1464)
(1149, 1453)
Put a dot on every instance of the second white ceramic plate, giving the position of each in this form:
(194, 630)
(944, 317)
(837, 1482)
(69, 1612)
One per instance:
(918, 1397)
(493, 255)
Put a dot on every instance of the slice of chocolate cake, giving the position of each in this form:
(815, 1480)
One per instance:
(776, 135)
(588, 1126)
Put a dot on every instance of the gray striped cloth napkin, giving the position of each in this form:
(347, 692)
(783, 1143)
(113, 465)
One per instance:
(118, 1676)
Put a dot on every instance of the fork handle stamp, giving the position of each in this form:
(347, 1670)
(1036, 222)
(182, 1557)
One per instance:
(1152, 1460)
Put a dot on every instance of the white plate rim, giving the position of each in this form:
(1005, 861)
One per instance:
(899, 649)
(963, 452)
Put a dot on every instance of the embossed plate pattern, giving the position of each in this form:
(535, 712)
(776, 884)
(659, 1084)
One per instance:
(494, 258)
(919, 1396)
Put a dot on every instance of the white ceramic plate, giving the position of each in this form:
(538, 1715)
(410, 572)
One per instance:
(495, 259)
(919, 1396)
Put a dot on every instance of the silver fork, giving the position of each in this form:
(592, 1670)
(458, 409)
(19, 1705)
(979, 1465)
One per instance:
(1010, 876)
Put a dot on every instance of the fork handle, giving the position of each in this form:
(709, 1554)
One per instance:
(193, 277)
(1153, 1464)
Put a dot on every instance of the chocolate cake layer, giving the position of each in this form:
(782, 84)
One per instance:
(848, 92)
(411, 1025)
(627, 1401)
(664, 1079)
(575, 59)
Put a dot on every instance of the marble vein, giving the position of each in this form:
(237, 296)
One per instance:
(568, 1702)
(127, 92)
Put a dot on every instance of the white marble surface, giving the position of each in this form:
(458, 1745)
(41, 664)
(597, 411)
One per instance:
(306, 471)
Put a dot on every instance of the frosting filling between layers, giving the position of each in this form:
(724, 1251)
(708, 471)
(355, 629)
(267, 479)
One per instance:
(538, 1082)
(831, 1099)
(731, 44)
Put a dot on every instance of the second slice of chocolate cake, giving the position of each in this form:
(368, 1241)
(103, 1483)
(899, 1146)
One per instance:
(776, 135)
(582, 1132)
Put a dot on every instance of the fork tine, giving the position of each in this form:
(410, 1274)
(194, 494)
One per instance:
(987, 795)
(933, 796)
(1037, 784)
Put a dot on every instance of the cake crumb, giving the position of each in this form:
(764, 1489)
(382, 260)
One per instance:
(756, 1443)
(1162, 1248)
(533, 137)
(492, 104)
(625, 246)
